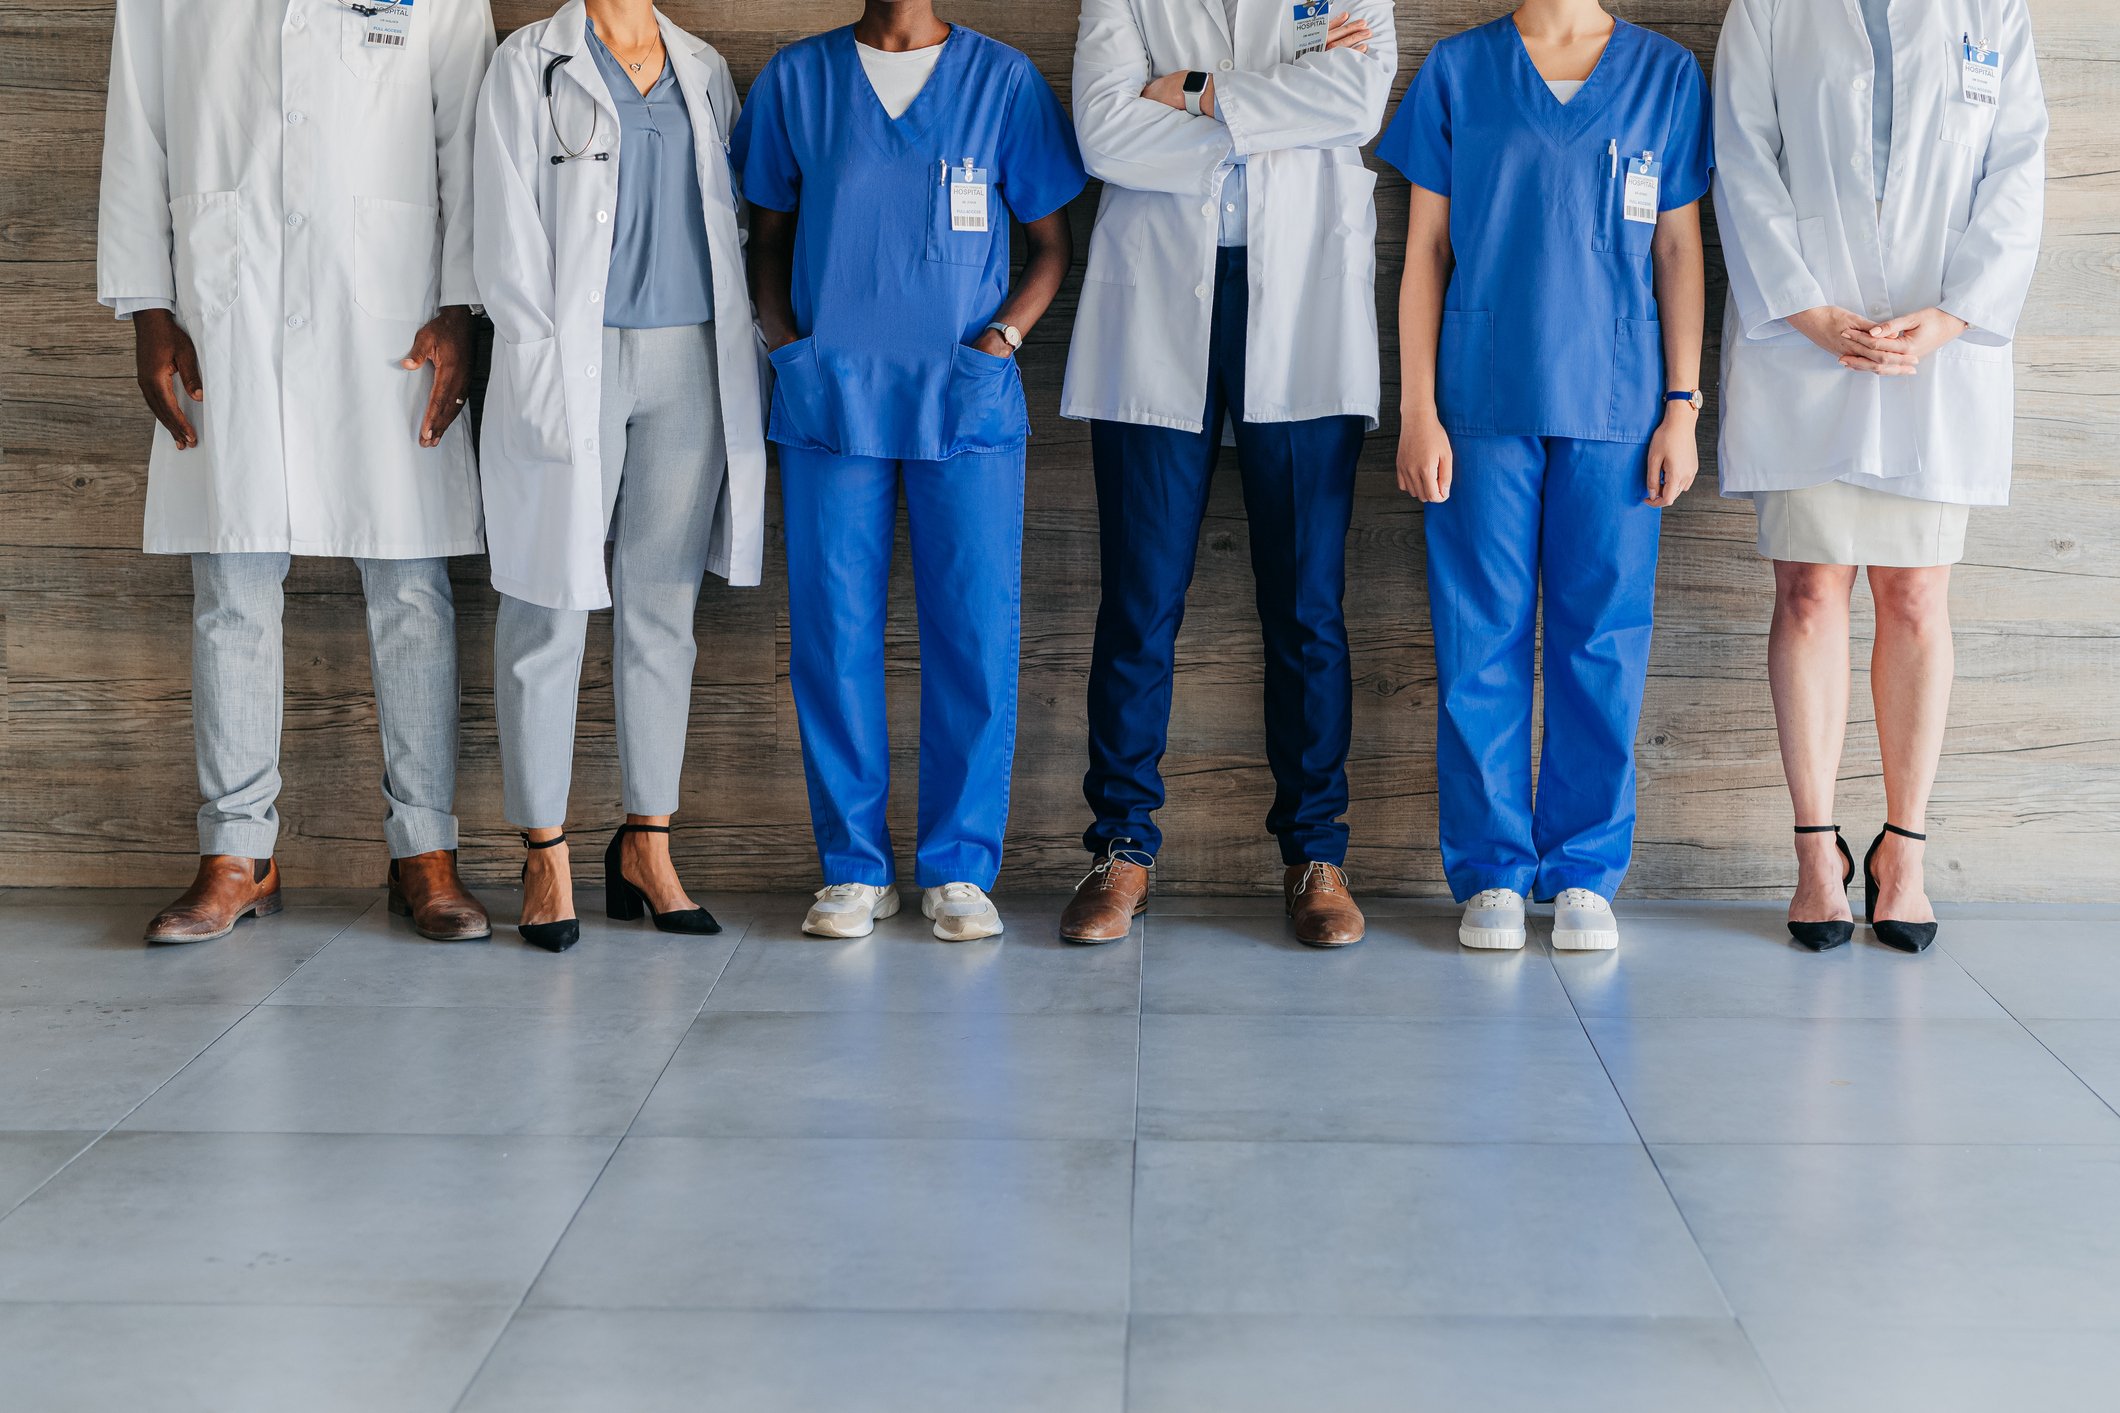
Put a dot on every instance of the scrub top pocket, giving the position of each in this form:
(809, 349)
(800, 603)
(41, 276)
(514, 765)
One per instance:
(802, 409)
(955, 247)
(1464, 372)
(987, 410)
(1637, 379)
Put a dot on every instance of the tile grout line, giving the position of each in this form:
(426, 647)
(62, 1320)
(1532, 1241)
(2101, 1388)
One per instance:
(169, 1079)
(589, 1191)
(1773, 1389)
(2111, 1107)
(1133, 1177)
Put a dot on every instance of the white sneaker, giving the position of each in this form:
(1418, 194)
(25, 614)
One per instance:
(1494, 921)
(961, 911)
(1583, 922)
(849, 910)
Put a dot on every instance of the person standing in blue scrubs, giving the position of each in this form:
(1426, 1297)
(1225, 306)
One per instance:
(1550, 328)
(883, 163)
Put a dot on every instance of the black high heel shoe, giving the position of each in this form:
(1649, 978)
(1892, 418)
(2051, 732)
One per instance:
(552, 936)
(1824, 936)
(625, 903)
(1905, 936)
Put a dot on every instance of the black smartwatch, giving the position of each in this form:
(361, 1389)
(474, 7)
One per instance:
(1195, 85)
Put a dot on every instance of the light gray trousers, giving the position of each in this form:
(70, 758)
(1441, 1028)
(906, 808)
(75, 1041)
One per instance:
(663, 456)
(238, 686)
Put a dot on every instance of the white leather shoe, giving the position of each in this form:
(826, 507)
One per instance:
(1494, 921)
(849, 910)
(962, 912)
(1583, 922)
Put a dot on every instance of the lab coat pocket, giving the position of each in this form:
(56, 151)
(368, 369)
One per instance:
(1966, 124)
(394, 258)
(528, 401)
(1464, 371)
(1354, 231)
(987, 410)
(955, 247)
(208, 231)
(802, 410)
(1637, 379)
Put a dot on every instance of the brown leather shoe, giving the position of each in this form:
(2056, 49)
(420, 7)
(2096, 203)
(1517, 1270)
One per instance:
(426, 889)
(1320, 905)
(1107, 902)
(227, 889)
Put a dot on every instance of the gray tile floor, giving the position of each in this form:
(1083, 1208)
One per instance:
(322, 1166)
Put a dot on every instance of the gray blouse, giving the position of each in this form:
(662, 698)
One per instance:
(1874, 19)
(661, 274)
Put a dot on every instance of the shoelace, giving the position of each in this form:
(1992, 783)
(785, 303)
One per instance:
(1332, 875)
(1101, 870)
(1581, 898)
(1496, 898)
(841, 893)
(960, 893)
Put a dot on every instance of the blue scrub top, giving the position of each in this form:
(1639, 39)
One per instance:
(887, 294)
(1550, 325)
(661, 274)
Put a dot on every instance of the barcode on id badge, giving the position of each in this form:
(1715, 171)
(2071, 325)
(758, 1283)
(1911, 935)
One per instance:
(1987, 98)
(395, 41)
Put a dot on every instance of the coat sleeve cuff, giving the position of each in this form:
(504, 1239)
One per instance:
(1984, 325)
(1770, 317)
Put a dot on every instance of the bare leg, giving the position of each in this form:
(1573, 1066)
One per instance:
(645, 860)
(548, 881)
(1910, 681)
(1807, 666)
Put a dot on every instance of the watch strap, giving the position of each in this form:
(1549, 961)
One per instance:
(1010, 334)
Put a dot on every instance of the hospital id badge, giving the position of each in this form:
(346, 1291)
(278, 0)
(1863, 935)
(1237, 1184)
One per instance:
(387, 28)
(1308, 23)
(968, 210)
(1643, 180)
(1981, 68)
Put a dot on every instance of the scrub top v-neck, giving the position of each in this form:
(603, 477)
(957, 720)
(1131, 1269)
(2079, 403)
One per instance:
(661, 274)
(1550, 323)
(889, 286)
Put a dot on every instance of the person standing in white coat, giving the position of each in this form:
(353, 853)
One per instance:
(1232, 278)
(625, 403)
(1879, 183)
(286, 220)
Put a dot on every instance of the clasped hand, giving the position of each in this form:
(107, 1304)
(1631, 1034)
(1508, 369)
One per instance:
(1891, 348)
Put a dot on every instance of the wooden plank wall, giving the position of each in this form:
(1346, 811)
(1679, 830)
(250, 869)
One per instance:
(96, 781)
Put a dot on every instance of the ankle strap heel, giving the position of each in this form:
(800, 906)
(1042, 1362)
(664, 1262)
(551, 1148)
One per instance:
(624, 902)
(1837, 932)
(552, 936)
(1901, 936)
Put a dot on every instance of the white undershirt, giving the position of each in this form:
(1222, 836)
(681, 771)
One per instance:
(1565, 89)
(898, 77)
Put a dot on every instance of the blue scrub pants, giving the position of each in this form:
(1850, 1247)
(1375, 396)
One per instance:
(1152, 485)
(1569, 514)
(966, 521)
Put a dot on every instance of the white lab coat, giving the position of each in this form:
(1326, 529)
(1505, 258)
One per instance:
(543, 255)
(301, 198)
(1141, 332)
(1795, 199)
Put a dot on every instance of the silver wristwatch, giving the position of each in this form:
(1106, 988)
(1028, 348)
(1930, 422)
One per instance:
(1010, 334)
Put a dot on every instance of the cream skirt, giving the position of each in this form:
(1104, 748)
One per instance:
(1836, 523)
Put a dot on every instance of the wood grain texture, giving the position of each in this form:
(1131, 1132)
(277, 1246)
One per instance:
(96, 781)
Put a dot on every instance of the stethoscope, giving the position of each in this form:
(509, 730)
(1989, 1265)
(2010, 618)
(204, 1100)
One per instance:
(568, 154)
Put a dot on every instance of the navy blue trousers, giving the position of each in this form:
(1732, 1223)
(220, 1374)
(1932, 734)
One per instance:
(1152, 485)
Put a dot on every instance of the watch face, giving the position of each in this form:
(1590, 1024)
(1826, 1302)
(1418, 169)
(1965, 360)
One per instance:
(1195, 81)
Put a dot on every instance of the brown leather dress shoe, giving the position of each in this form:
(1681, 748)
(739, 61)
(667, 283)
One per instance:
(1106, 903)
(426, 889)
(1320, 905)
(227, 889)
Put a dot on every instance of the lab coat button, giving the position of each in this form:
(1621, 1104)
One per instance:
(295, 218)
(1862, 85)
(1199, 291)
(1209, 209)
(589, 445)
(590, 370)
(295, 118)
(602, 216)
(294, 321)
(596, 296)
(1855, 161)
(1227, 65)
(296, 21)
